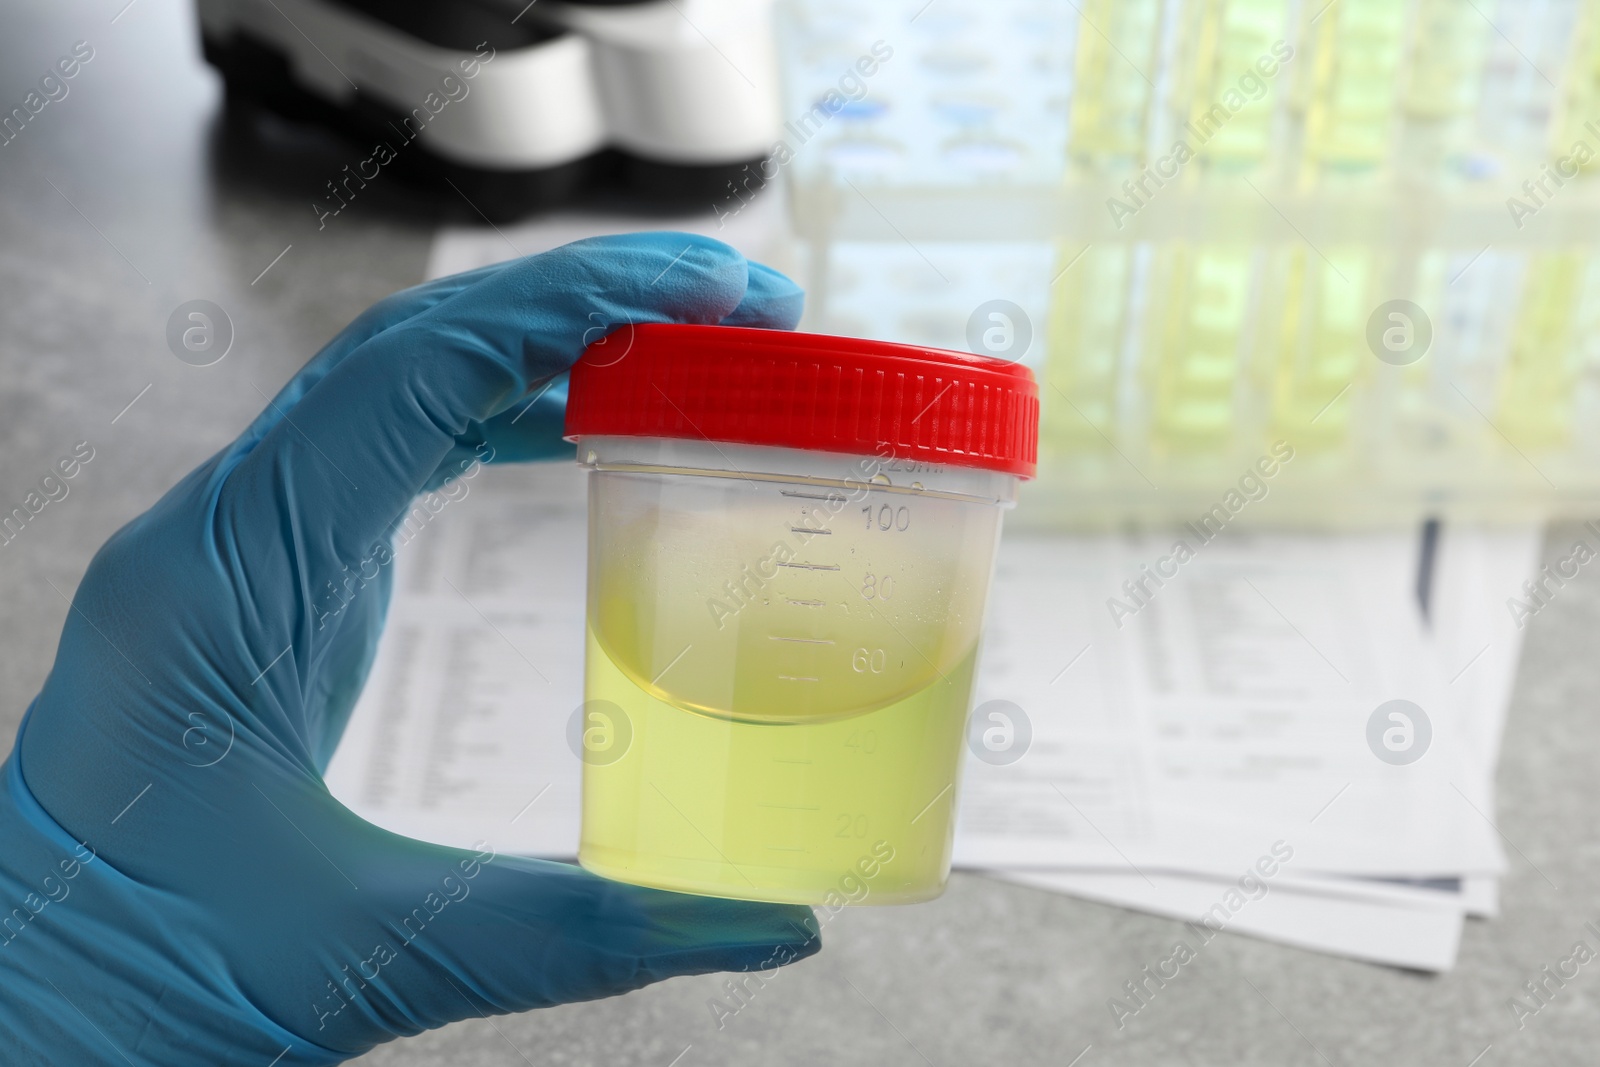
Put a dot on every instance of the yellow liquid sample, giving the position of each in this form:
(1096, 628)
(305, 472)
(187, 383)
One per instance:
(779, 812)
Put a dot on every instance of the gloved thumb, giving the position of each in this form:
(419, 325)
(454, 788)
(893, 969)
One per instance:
(481, 934)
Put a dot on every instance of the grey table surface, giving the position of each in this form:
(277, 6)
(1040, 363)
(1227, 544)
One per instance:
(131, 195)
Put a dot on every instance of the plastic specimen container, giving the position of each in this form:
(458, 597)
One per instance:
(791, 539)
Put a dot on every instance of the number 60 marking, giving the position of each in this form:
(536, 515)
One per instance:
(869, 659)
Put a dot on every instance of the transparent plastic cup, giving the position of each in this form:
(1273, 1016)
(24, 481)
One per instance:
(781, 648)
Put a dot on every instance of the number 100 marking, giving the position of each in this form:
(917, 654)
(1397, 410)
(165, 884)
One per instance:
(888, 517)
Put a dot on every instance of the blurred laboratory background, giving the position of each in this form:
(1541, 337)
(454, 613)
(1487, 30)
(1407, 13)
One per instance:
(1290, 654)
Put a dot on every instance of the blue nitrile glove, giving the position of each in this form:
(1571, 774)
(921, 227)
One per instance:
(176, 884)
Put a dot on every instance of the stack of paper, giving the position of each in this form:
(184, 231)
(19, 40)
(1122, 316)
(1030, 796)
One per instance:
(1218, 734)
(1179, 759)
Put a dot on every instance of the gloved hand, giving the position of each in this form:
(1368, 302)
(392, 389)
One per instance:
(176, 884)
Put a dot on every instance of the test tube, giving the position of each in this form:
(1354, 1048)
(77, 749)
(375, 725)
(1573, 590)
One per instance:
(1443, 76)
(1536, 389)
(1113, 83)
(1346, 74)
(1526, 57)
(1087, 321)
(1218, 48)
(1314, 326)
(1193, 346)
(1580, 96)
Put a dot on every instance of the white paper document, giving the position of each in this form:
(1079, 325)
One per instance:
(1228, 712)
(1475, 638)
(1421, 938)
(459, 735)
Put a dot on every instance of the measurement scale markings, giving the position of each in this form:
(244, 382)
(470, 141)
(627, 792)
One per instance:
(811, 566)
(810, 530)
(830, 497)
(802, 640)
(791, 807)
(806, 603)
(795, 678)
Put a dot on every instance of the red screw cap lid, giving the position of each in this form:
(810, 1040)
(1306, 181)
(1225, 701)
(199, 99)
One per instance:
(805, 390)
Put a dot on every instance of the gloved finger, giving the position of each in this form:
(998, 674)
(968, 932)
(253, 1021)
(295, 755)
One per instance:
(771, 301)
(392, 309)
(439, 934)
(532, 428)
(544, 933)
(364, 439)
(529, 431)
